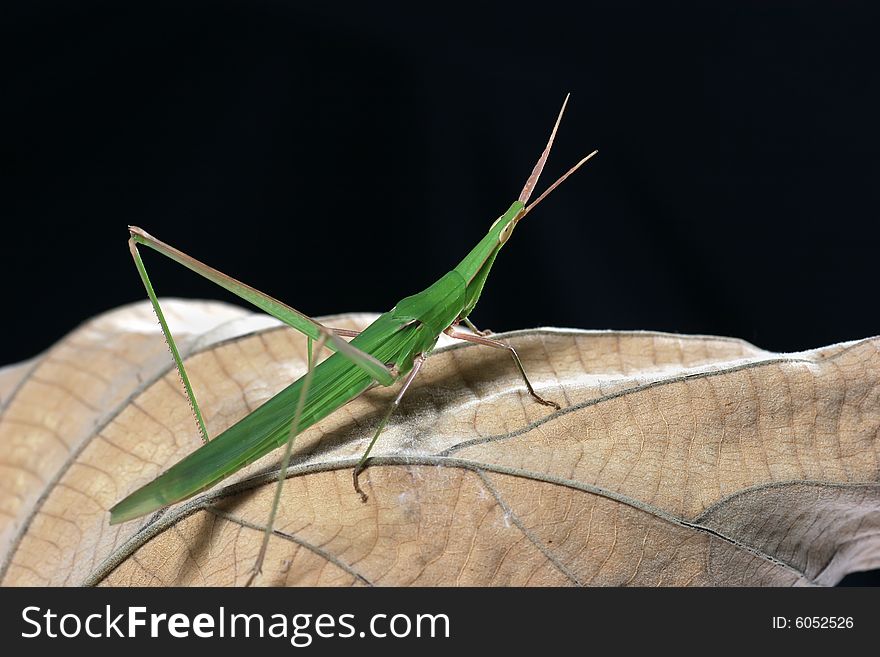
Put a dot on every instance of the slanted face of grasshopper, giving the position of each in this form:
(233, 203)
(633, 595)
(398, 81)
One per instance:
(392, 348)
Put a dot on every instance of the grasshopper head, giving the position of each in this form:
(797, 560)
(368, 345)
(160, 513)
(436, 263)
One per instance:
(505, 224)
(510, 220)
(476, 265)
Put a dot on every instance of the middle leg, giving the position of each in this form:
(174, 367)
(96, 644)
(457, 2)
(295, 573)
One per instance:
(496, 344)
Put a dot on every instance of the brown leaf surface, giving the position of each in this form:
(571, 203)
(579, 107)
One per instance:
(676, 460)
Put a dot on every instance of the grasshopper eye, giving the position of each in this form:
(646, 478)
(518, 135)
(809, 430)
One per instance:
(506, 232)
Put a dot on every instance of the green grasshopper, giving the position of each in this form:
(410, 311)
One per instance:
(393, 347)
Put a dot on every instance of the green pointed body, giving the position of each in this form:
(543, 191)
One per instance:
(396, 337)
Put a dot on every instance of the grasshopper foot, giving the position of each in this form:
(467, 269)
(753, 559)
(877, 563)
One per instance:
(357, 487)
(256, 571)
(546, 402)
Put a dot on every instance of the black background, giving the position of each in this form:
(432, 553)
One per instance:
(342, 159)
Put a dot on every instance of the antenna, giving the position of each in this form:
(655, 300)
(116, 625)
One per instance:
(556, 184)
(539, 167)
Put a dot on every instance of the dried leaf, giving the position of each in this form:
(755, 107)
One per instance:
(676, 460)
